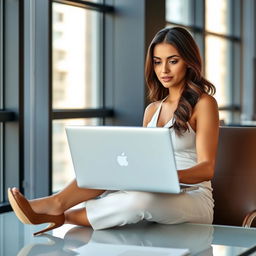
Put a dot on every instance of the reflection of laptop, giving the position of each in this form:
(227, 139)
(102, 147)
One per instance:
(124, 158)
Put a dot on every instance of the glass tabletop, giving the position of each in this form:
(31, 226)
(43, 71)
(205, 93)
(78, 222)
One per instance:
(132, 240)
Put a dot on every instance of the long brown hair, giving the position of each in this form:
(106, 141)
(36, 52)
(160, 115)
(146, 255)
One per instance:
(195, 83)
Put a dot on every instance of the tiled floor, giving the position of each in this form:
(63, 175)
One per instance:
(134, 240)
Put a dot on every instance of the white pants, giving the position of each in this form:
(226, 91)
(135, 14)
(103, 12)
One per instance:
(126, 207)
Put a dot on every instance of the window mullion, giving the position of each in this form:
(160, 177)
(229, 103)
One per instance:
(1, 55)
(7, 116)
(88, 5)
(81, 113)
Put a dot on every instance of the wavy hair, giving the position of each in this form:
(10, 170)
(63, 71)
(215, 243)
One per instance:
(195, 83)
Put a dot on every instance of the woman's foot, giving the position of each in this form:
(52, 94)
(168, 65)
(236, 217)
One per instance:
(27, 215)
(47, 205)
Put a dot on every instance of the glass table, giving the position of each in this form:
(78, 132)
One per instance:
(132, 240)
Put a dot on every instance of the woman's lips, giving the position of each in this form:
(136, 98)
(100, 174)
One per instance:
(167, 78)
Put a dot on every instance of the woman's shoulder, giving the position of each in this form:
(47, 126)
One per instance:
(150, 111)
(206, 100)
(206, 106)
(152, 107)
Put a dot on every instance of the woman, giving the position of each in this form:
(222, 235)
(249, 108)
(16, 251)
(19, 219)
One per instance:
(182, 101)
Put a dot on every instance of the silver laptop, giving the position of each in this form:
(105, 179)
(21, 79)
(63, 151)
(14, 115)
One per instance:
(124, 158)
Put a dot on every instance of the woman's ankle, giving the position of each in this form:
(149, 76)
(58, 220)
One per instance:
(47, 205)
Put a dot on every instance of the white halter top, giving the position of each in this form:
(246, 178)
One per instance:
(184, 146)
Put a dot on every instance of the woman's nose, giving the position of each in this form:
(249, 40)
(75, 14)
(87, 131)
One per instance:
(165, 68)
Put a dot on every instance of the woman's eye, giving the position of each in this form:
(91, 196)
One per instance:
(173, 61)
(157, 62)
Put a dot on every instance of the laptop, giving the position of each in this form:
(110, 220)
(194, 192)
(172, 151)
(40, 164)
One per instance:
(124, 158)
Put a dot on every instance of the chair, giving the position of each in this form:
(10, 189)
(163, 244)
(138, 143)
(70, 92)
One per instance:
(234, 182)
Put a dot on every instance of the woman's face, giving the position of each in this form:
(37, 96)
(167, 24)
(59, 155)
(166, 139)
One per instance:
(169, 67)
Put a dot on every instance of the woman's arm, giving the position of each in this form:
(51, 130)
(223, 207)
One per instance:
(207, 132)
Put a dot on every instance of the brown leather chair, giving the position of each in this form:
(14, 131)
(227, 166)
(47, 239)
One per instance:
(234, 182)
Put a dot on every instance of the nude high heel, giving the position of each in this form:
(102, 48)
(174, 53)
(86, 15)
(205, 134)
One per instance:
(26, 215)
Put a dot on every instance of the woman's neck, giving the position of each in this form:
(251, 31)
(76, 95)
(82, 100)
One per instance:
(174, 94)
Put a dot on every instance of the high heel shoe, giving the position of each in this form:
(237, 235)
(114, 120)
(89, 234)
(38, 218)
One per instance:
(26, 215)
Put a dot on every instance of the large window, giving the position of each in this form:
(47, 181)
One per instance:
(77, 77)
(216, 28)
(10, 107)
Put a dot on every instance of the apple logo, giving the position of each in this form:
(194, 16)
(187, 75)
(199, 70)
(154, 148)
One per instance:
(122, 160)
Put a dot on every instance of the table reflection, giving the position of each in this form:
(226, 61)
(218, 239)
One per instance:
(196, 238)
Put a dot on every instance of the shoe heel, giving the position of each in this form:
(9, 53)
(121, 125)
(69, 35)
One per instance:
(48, 228)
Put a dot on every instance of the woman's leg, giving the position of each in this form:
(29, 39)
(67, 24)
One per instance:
(194, 206)
(77, 217)
(58, 203)
(127, 207)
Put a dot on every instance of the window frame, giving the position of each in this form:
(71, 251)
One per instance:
(63, 114)
(11, 107)
(103, 112)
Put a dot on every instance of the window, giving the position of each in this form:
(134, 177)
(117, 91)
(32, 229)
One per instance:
(179, 11)
(218, 35)
(79, 70)
(77, 77)
(10, 104)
